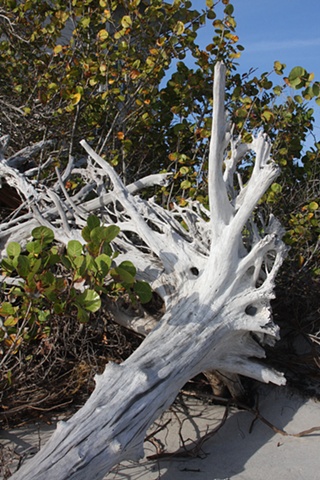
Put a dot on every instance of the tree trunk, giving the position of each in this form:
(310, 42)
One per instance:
(215, 275)
(129, 397)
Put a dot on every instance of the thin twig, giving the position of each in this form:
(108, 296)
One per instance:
(195, 450)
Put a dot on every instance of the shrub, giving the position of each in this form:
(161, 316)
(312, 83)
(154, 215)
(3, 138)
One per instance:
(49, 289)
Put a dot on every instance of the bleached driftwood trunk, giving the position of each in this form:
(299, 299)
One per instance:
(215, 275)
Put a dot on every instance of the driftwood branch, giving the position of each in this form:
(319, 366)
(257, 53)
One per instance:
(214, 271)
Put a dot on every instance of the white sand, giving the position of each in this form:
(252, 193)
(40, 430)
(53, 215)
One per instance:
(231, 453)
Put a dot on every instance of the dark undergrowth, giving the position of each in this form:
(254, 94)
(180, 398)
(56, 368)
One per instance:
(56, 374)
(296, 310)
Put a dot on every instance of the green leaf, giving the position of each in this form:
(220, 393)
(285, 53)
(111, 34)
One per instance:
(277, 90)
(178, 128)
(283, 151)
(143, 290)
(11, 321)
(82, 315)
(34, 247)
(58, 308)
(44, 234)
(97, 235)
(74, 248)
(297, 83)
(276, 188)
(6, 309)
(78, 261)
(106, 234)
(296, 72)
(89, 262)
(89, 300)
(34, 266)
(295, 77)
(124, 275)
(126, 21)
(13, 249)
(43, 315)
(185, 184)
(129, 267)
(184, 170)
(53, 259)
(229, 9)
(103, 262)
(93, 221)
(241, 113)
(66, 262)
(108, 250)
(103, 35)
(85, 232)
(308, 93)
(48, 279)
(23, 266)
(7, 265)
(211, 15)
(267, 115)
(279, 67)
(313, 206)
(85, 22)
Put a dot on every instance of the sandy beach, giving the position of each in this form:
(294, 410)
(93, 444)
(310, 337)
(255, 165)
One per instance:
(193, 441)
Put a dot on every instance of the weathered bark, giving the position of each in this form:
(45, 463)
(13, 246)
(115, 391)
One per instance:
(216, 281)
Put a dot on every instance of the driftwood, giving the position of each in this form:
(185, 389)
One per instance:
(214, 270)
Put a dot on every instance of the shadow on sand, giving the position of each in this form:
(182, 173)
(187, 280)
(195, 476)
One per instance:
(241, 449)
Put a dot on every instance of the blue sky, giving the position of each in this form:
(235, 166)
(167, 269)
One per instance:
(284, 30)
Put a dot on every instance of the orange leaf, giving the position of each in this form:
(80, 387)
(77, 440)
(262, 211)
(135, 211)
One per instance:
(120, 135)
(134, 74)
